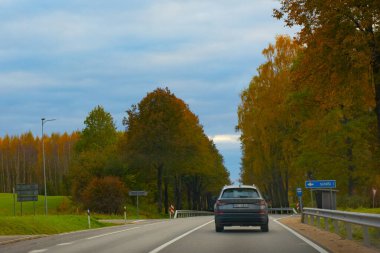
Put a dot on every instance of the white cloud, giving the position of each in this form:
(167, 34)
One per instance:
(226, 138)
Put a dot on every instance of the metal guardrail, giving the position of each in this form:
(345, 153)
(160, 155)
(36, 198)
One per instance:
(365, 220)
(281, 210)
(190, 213)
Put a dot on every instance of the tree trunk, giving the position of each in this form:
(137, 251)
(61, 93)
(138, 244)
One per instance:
(159, 187)
(351, 168)
(189, 198)
(376, 78)
(166, 196)
(178, 192)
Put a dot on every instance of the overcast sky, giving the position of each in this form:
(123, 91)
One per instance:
(59, 59)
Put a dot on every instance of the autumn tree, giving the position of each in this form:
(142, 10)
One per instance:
(164, 144)
(21, 161)
(96, 151)
(266, 124)
(338, 79)
(349, 28)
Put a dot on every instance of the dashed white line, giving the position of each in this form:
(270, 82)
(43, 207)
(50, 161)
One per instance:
(38, 251)
(116, 232)
(65, 243)
(158, 249)
(151, 224)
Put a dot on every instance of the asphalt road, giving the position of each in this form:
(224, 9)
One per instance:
(165, 236)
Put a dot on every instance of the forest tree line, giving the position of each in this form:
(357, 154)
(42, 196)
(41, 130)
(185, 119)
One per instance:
(312, 111)
(163, 150)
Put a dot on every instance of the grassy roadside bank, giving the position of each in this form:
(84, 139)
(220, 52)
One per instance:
(40, 224)
(63, 216)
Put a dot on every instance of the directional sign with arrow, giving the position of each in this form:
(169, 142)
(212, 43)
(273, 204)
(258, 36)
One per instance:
(312, 184)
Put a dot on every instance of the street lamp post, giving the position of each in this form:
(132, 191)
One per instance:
(43, 120)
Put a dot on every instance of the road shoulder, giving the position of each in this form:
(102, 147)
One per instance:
(330, 241)
(6, 239)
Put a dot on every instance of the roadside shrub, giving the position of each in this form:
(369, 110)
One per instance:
(352, 201)
(104, 195)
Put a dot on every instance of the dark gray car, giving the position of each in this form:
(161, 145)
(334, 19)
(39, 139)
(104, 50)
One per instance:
(241, 206)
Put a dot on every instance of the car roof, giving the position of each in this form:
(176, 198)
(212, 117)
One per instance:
(239, 186)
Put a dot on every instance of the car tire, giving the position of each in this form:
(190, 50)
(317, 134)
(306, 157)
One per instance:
(265, 228)
(219, 228)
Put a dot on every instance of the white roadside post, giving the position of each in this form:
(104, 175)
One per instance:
(89, 218)
(125, 214)
(373, 196)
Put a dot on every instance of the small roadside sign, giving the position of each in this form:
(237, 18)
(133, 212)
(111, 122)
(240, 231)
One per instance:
(138, 193)
(299, 192)
(27, 192)
(313, 184)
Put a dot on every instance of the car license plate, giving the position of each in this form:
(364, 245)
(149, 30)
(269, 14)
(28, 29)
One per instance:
(240, 205)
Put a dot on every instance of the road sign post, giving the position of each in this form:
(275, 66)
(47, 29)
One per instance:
(320, 185)
(26, 192)
(137, 194)
(299, 194)
(171, 211)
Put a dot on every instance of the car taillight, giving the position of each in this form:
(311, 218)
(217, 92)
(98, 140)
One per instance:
(263, 206)
(220, 203)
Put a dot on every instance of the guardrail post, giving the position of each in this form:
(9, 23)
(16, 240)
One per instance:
(336, 226)
(348, 230)
(366, 236)
(318, 222)
(312, 220)
(326, 223)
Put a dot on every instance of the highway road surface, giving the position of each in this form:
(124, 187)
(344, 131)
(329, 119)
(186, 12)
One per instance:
(191, 235)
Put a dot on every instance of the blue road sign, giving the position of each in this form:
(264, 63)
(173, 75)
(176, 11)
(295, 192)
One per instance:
(312, 184)
(299, 192)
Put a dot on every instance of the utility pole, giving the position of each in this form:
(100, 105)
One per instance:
(43, 120)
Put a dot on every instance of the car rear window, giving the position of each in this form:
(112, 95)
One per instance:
(240, 193)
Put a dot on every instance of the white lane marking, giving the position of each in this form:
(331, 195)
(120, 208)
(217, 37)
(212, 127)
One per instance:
(158, 249)
(120, 231)
(136, 221)
(312, 244)
(65, 243)
(151, 224)
(38, 251)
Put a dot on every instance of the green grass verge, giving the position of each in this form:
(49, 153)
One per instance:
(50, 224)
(63, 216)
(56, 205)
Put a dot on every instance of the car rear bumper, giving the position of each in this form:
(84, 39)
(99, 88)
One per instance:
(241, 219)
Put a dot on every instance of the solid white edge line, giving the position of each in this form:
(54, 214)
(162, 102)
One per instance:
(116, 232)
(312, 244)
(158, 249)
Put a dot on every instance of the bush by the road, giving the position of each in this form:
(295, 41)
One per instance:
(104, 195)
